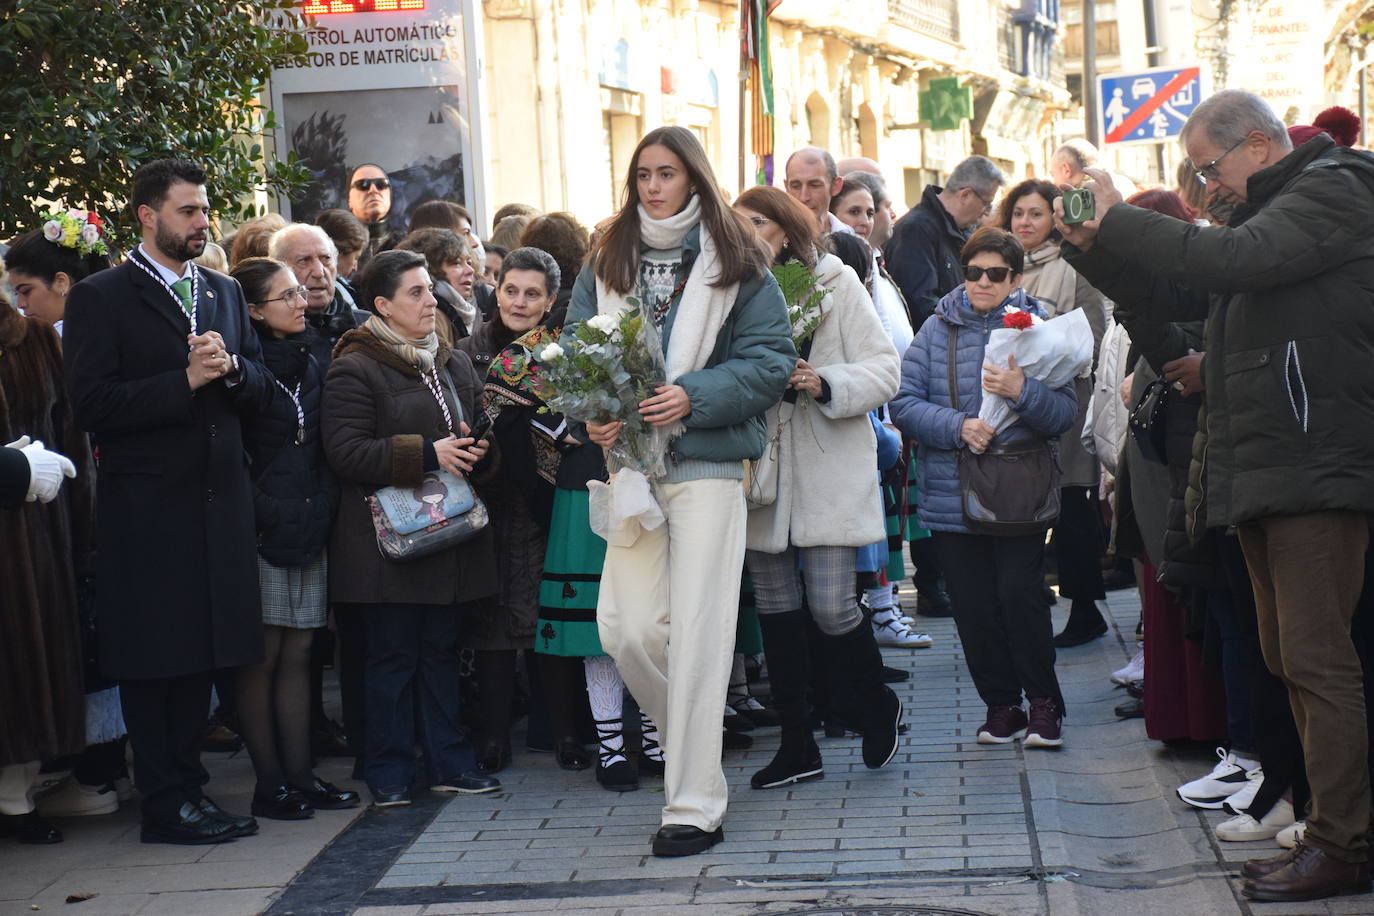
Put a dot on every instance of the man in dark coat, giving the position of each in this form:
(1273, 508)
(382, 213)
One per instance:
(160, 363)
(923, 253)
(1287, 288)
(314, 259)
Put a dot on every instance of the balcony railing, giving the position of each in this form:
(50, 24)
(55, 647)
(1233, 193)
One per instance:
(937, 18)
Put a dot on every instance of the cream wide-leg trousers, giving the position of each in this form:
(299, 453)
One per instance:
(667, 615)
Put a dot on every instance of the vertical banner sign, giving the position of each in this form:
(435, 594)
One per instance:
(1282, 58)
(390, 82)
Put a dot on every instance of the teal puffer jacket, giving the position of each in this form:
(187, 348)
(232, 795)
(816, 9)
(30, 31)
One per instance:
(746, 374)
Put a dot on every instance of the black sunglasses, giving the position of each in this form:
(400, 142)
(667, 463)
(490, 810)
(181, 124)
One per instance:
(366, 184)
(995, 274)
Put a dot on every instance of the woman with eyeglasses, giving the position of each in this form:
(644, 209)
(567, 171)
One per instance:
(994, 581)
(294, 498)
(1028, 213)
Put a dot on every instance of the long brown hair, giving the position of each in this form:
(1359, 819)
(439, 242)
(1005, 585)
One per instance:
(795, 221)
(617, 250)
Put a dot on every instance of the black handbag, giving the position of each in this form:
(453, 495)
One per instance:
(1149, 421)
(1008, 490)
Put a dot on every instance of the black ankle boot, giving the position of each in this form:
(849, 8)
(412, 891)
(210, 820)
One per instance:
(872, 704)
(1085, 624)
(789, 670)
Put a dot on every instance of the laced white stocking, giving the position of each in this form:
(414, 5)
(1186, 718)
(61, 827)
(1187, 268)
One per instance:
(606, 694)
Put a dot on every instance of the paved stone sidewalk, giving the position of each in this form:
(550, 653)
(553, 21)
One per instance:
(949, 826)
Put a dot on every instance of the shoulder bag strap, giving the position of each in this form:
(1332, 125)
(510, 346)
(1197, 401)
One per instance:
(953, 380)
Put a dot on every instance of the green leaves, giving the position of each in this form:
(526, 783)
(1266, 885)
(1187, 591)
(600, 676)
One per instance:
(804, 296)
(91, 89)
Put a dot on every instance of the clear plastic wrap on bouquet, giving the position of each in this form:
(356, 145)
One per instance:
(1053, 352)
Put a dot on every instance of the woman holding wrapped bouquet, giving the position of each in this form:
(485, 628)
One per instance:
(827, 503)
(994, 580)
(520, 499)
(667, 603)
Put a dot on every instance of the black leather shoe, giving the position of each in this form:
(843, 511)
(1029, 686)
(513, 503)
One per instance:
(469, 783)
(327, 739)
(192, 827)
(493, 756)
(895, 675)
(391, 796)
(1069, 638)
(282, 803)
(736, 741)
(29, 829)
(620, 776)
(571, 755)
(685, 840)
(1131, 709)
(648, 766)
(933, 604)
(324, 796)
(243, 826)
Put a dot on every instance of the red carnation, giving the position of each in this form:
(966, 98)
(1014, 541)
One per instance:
(93, 219)
(1017, 320)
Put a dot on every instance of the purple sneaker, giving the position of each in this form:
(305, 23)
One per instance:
(1004, 725)
(1044, 730)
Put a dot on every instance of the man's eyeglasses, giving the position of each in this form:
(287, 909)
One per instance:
(367, 184)
(1210, 169)
(995, 274)
(289, 295)
(987, 204)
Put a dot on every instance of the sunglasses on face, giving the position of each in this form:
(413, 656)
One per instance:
(367, 184)
(995, 274)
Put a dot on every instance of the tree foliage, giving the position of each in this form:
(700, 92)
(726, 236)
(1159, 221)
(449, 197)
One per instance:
(96, 88)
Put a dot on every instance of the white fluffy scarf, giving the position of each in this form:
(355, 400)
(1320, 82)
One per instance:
(703, 308)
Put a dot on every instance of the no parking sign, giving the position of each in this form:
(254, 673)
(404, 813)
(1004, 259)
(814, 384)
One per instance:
(1149, 106)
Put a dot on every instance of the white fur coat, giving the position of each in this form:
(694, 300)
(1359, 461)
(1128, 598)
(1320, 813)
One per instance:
(828, 464)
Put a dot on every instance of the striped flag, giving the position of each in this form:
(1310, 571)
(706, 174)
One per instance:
(754, 52)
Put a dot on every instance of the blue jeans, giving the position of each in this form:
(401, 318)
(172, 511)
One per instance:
(412, 665)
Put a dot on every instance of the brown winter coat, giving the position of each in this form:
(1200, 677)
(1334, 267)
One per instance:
(377, 415)
(42, 703)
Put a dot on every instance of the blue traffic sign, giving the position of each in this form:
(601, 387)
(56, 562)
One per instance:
(1149, 106)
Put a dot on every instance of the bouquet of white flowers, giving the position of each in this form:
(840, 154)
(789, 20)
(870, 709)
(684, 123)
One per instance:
(1053, 352)
(599, 374)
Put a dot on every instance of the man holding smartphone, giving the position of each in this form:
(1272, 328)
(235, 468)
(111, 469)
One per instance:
(1287, 288)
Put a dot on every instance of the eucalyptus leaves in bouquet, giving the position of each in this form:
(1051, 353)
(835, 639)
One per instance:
(600, 373)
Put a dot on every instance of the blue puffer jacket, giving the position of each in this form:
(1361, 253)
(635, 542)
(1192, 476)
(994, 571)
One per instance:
(922, 408)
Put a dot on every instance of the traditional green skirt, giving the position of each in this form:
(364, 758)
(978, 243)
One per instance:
(572, 581)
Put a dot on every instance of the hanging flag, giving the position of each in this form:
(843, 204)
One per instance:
(755, 55)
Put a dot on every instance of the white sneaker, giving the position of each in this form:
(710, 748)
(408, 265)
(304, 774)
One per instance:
(889, 631)
(72, 799)
(1237, 803)
(1134, 670)
(1243, 828)
(1291, 835)
(1226, 779)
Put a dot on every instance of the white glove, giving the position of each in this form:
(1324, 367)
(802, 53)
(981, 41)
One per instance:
(19, 443)
(46, 470)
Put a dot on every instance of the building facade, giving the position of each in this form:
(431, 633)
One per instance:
(573, 84)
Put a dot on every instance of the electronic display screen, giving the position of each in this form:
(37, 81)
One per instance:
(323, 7)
